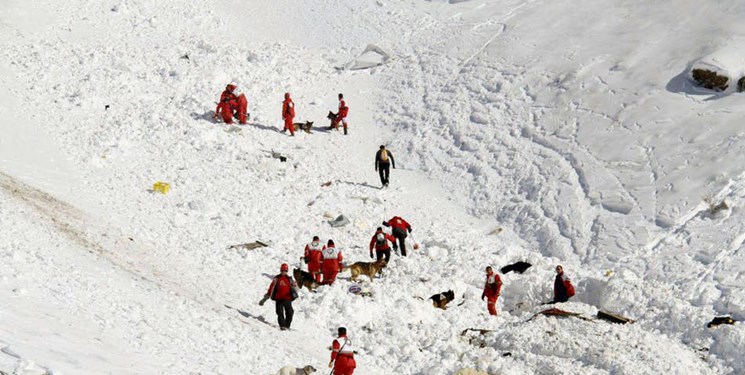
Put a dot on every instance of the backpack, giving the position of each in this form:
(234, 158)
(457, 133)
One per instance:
(378, 241)
(570, 289)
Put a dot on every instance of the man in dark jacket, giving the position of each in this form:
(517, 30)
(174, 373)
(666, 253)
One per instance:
(383, 161)
(400, 230)
(282, 290)
(563, 288)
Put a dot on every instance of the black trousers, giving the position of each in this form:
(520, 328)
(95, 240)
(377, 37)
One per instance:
(401, 237)
(383, 253)
(284, 313)
(384, 169)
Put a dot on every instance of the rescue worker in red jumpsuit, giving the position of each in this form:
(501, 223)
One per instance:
(563, 288)
(313, 257)
(288, 114)
(400, 228)
(342, 354)
(341, 115)
(380, 241)
(282, 290)
(492, 290)
(231, 105)
(332, 263)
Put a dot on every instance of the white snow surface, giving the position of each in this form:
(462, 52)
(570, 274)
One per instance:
(571, 125)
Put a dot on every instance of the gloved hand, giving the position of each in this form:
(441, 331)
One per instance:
(409, 229)
(305, 259)
(371, 255)
(385, 223)
(482, 296)
(261, 303)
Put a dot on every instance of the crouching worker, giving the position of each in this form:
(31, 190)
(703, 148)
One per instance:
(342, 354)
(231, 105)
(282, 290)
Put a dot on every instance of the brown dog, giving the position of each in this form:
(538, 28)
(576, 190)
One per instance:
(304, 279)
(306, 127)
(441, 300)
(366, 268)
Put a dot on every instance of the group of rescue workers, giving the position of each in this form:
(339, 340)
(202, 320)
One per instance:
(236, 106)
(326, 261)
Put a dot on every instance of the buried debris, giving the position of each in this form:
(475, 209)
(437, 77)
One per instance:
(340, 221)
(161, 187)
(614, 318)
(470, 371)
(249, 245)
(477, 340)
(518, 267)
(720, 320)
(560, 313)
(360, 290)
(710, 80)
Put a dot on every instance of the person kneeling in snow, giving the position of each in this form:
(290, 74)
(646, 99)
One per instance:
(332, 263)
(231, 105)
(282, 290)
(563, 288)
(492, 290)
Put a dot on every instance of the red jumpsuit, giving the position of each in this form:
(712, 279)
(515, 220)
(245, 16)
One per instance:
(332, 263)
(315, 256)
(341, 116)
(223, 110)
(288, 113)
(492, 289)
(343, 356)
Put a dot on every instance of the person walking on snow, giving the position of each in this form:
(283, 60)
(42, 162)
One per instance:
(380, 241)
(282, 291)
(332, 262)
(383, 160)
(492, 290)
(399, 230)
(341, 115)
(314, 257)
(288, 114)
(563, 288)
(342, 354)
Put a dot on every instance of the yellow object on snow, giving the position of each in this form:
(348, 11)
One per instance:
(161, 187)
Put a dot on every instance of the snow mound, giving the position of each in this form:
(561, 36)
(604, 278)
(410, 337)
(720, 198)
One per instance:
(721, 70)
(371, 57)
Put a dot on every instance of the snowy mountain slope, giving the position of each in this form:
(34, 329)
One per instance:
(489, 129)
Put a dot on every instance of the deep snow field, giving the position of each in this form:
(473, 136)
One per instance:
(571, 125)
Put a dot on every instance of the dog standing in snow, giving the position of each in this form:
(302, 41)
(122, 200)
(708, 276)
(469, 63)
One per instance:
(289, 370)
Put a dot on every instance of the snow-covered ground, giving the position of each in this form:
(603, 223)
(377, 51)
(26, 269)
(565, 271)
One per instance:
(571, 125)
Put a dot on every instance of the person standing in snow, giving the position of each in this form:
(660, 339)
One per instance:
(400, 228)
(380, 241)
(383, 160)
(563, 288)
(341, 115)
(313, 257)
(282, 291)
(332, 262)
(492, 290)
(342, 354)
(288, 114)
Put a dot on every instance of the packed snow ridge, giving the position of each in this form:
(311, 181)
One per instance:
(546, 132)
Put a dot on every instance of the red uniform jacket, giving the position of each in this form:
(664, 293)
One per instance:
(493, 286)
(343, 109)
(229, 96)
(381, 246)
(342, 353)
(332, 259)
(563, 287)
(314, 256)
(288, 109)
(398, 223)
(281, 288)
